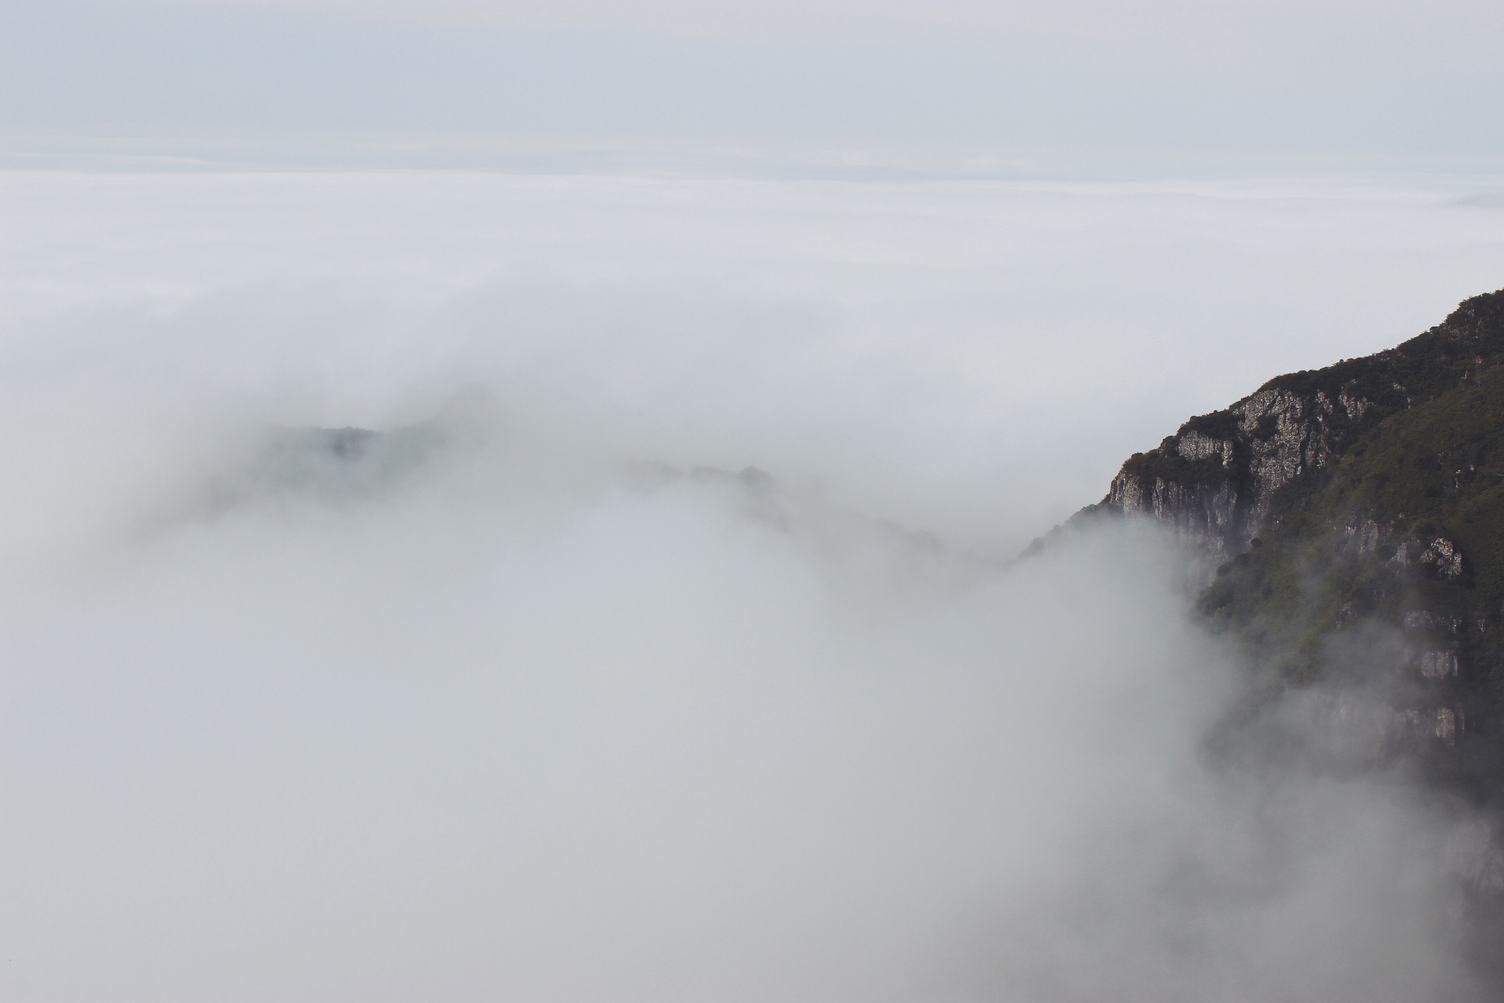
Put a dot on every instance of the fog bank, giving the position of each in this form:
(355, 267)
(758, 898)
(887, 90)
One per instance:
(664, 648)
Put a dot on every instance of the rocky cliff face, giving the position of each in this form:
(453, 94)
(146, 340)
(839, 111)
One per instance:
(1216, 480)
(1347, 524)
(1213, 481)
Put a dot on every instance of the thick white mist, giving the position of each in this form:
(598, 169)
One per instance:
(502, 731)
(539, 711)
(974, 359)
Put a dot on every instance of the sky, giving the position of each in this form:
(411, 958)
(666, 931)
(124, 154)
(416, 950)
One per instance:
(1094, 88)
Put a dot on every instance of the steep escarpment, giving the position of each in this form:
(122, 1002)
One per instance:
(1218, 478)
(1347, 526)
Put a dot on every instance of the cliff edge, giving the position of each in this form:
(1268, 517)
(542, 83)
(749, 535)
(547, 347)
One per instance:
(1346, 525)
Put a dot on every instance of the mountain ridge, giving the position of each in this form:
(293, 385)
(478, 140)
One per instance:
(1347, 523)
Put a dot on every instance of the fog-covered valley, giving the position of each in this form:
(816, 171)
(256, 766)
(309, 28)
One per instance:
(476, 587)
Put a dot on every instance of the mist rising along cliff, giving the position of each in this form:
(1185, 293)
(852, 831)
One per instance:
(1347, 526)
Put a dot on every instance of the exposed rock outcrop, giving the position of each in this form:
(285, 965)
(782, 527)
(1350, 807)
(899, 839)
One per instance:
(1439, 665)
(1213, 481)
(1444, 556)
(1216, 480)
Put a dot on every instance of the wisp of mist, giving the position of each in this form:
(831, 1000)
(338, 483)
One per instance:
(667, 644)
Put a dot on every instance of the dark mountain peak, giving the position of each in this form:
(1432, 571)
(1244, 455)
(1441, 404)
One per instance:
(1223, 477)
(1366, 499)
(1478, 318)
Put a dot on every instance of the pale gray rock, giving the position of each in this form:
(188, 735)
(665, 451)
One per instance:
(1439, 665)
(1444, 556)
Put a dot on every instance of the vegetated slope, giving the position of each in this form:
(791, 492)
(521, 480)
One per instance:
(1348, 526)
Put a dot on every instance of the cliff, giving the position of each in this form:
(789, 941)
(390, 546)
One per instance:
(1217, 478)
(1346, 525)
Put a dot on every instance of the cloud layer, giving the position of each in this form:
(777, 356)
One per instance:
(551, 698)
